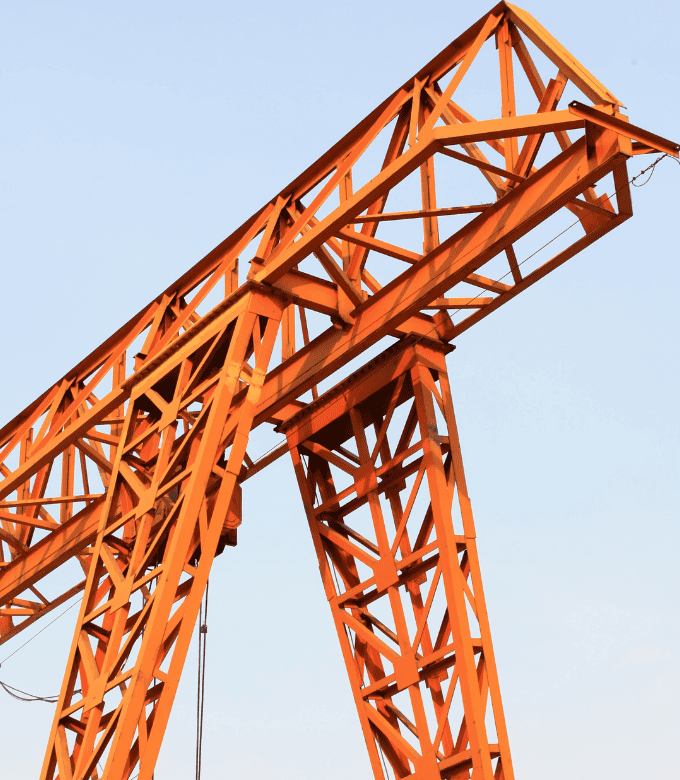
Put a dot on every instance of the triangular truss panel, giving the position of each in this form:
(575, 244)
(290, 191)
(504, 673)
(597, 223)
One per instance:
(122, 481)
(397, 552)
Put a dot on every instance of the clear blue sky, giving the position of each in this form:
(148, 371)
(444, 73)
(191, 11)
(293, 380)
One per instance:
(135, 136)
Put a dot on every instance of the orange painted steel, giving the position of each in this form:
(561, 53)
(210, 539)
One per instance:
(124, 477)
(400, 573)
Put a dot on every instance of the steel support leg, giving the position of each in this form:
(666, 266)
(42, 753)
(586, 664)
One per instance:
(381, 476)
(172, 499)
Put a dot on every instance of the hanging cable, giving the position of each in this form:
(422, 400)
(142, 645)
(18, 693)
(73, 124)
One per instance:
(649, 168)
(200, 698)
(384, 762)
(17, 693)
(41, 630)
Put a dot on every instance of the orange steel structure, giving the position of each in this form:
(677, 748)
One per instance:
(123, 480)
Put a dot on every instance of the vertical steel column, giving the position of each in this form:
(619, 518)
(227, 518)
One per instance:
(170, 497)
(380, 472)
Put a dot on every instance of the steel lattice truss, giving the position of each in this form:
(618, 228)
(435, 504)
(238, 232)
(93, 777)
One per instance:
(405, 589)
(123, 479)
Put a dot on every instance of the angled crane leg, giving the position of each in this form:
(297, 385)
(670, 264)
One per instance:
(171, 502)
(379, 468)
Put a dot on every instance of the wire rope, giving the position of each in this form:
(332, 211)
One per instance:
(200, 698)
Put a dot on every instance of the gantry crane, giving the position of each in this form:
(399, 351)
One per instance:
(131, 465)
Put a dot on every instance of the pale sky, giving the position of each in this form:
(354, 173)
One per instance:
(135, 137)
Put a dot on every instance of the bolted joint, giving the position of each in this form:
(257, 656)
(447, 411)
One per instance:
(257, 377)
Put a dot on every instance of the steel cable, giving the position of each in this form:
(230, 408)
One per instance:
(200, 699)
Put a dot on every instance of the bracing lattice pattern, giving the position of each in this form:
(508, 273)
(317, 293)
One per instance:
(118, 481)
(171, 503)
(400, 568)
